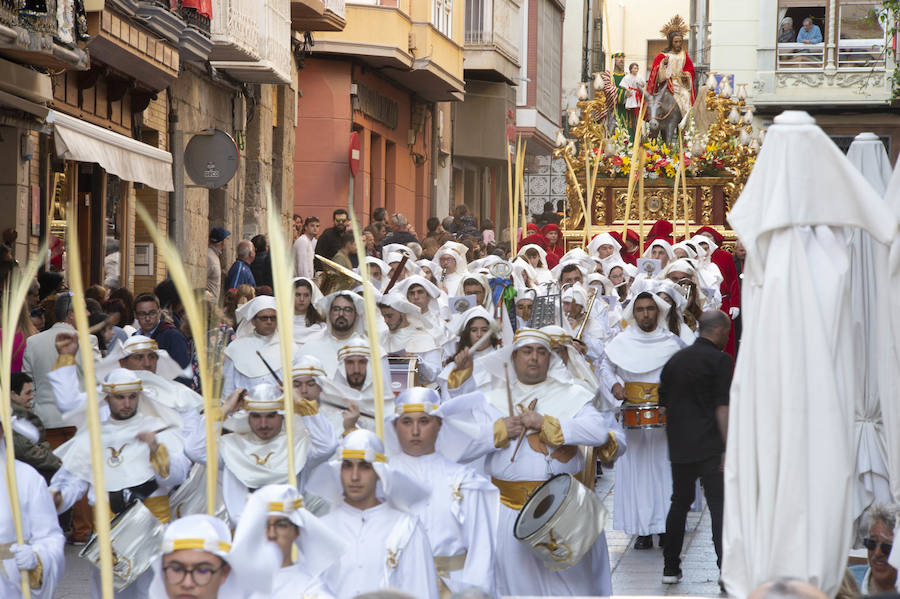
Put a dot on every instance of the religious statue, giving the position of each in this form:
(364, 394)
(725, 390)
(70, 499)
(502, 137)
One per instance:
(673, 67)
(618, 73)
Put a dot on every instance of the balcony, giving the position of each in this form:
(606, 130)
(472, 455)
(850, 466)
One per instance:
(195, 44)
(234, 30)
(491, 40)
(304, 15)
(161, 18)
(38, 40)
(273, 48)
(406, 47)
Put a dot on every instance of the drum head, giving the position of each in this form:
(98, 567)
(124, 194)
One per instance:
(542, 505)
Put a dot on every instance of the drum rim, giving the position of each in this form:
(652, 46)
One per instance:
(542, 485)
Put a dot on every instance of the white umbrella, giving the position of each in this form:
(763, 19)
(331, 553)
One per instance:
(790, 454)
(890, 410)
(870, 305)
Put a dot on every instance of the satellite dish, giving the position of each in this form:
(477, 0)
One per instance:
(211, 158)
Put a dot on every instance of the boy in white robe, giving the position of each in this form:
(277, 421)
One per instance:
(460, 515)
(370, 503)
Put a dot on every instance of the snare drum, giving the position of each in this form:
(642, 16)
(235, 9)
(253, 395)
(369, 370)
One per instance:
(403, 372)
(644, 416)
(136, 536)
(560, 522)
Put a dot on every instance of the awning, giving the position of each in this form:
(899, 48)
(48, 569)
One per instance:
(122, 156)
(12, 101)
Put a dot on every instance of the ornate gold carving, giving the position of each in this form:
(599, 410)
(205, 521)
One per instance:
(657, 204)
(706, 212)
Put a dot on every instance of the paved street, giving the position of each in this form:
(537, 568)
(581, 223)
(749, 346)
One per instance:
(633, 572)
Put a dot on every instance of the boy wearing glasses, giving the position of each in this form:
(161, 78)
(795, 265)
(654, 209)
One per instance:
(166, 334)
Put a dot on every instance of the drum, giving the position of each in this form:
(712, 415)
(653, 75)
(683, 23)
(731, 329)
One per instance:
(560, 522)
(190, 496)
(136, 537)
(403, 372)
(645, 416)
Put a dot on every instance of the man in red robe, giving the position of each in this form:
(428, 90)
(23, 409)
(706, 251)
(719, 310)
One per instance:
(673, 67)
(731, 284)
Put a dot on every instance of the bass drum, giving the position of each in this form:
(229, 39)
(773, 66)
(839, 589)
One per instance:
(136, 536)
(561, 521)
(190, 496)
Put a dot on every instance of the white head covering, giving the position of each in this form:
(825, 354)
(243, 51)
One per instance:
(398, 248)
(244, 315)
(316, 292)
(394, 487)
(318, 547)
(603, 239)
(663, 305)
(867, 153)
(482, 280)
(166, 366)
(576, 293)
(381, 264)
(308, 365)
(398, 302)
(455, 249)
(252, 558)
(324, 307)
(659, 243)
(431, 265)
(688, 249)
(264, 397)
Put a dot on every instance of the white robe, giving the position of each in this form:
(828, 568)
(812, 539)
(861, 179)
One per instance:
(40, 529)
(518, 570)
(376, 535)
(293, 582)
(460, 516)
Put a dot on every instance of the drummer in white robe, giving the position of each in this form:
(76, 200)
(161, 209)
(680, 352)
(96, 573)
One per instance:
(42, 552)
(290, 525)
(257, 332)
(424, 294)
(371, 503)
(352, 386)
(144, 460)
(634, 361)
(255, 453)
(557, 416)
(408, 334)
(460, 515)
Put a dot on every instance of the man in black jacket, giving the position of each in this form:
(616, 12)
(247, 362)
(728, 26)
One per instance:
(693, 388)
(330, 239)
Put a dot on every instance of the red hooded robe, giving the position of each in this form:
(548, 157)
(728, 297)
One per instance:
(731, 285)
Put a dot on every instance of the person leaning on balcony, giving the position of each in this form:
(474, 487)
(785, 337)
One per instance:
(810, 33)
(786, 35)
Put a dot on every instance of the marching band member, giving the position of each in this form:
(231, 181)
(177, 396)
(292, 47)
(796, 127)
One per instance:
(145, 461)
(407, 333)
(42, 553)
(370, 502)
(257, 332)
(634, 361)
(352, 384)
(451, 257)
(605, 247)
(462, 373)
(424, 294)
(556, 416)
(289, 524)
(659, 249)
(460, 515)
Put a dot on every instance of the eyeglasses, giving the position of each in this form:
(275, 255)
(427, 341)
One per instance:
(268, 318)
(282, 524)
(871, 544)
(344, 309)
(201, 575)
(149, 314)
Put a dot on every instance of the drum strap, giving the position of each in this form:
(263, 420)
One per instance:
(562, 454)
(514, 493)
(118, 502)
(641, 393)
(444, 565)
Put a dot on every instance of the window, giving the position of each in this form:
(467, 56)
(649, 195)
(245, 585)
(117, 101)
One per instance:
(442, 16)
(800, 34)
(549, 62)
(861, 35)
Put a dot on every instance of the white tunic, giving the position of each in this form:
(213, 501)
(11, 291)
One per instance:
(293, 582)
(40, 529)
(388, 549)
(460, 516)
(518, 570)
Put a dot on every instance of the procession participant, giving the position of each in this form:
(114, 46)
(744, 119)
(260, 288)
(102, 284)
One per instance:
(693, 387)
(145, 461)
(634, 360)
(661, 229)
(308, 322)
(344, 312)
(139, 354)
(673, 67)
(555, 243)
(255, 452)
(474, 283)
(290, 525)
(596, 326)
(524, 305)
(674, 296)
(378, 272)
(605, 247)
(460, 514)
(730, 286)
(704, 259)
(462, 372)
(682, 273)
(684, 249)
(310, 382)
(42, 552)
(451, 258)
(407, 332)
(198, 559)
(571, 356)
(370, 504)
(659, 249)
(563, 416)
(530, 266)
(421, 292)
(430, 270)
(257, 332)
(352, 385)
(573, 267)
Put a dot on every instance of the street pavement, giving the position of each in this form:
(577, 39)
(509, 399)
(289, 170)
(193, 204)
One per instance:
(633, 572)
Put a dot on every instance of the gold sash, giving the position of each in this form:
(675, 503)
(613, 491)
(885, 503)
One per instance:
(159, 507)
(514, 493)
(638, 393)
(443, 565)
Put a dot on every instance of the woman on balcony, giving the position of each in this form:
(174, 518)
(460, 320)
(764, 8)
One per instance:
(787, 31)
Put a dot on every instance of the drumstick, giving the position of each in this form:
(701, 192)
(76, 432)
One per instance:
(509, 400)
(397, 272)
(531, 407)
(272, 372)
(335, 404)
